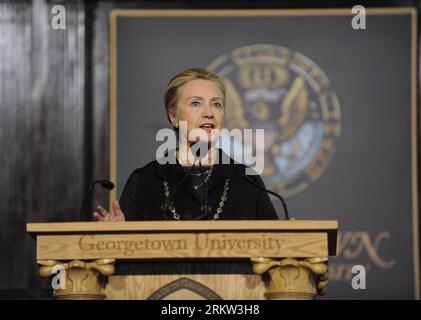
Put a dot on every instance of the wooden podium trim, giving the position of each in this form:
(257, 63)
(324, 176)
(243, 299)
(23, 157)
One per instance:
(182, 245)
(304, 225)
(58, 240)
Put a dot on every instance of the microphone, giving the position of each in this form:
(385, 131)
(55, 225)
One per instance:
(167, 201)
(250, 180)
(106, 184)
(197, 149)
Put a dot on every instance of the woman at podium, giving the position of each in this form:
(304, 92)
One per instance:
(195, 186)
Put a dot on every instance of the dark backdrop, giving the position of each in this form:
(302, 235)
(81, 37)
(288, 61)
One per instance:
(368, 184)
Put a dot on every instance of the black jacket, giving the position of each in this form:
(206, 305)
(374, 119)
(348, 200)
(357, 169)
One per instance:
(143, 193)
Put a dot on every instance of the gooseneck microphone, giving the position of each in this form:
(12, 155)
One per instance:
(106, 184)
(198, 155)
(200, 150)
(166, 204)
(250, 180)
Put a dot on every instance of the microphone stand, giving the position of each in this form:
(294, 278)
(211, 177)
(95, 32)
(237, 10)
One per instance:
(167, 201)
(250, 180)
(106, 184)
(206, 207)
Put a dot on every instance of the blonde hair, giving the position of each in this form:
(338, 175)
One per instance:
(173, 90)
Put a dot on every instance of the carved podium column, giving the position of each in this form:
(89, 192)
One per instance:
(292, 278)
(81, 280)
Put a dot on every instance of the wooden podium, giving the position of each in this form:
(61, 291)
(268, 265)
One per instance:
(289, 258)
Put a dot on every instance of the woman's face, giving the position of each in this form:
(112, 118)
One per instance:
(201, 104)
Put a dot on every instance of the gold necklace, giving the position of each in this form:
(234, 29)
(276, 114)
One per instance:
(209, 173)
(199, 174)
(218, 211)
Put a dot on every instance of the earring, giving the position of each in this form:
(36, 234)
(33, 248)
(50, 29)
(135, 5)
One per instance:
(176, 125)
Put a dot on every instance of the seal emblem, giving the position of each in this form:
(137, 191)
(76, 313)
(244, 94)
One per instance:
(285, 93)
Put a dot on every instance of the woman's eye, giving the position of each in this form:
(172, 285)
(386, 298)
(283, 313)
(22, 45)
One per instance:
(195, 103)
(217, 105)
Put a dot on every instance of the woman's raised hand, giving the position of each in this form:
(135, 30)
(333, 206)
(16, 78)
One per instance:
(103, 215)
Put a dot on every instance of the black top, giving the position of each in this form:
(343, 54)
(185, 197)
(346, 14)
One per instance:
(143, 193)
(143, 196)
